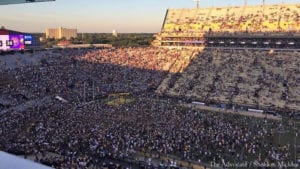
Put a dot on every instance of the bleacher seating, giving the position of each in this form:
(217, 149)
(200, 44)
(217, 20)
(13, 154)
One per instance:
(256, 78)
(266, 18)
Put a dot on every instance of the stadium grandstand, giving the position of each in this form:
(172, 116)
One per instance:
(254, 78)
(263, 25)
(246, 56)
(227, 102)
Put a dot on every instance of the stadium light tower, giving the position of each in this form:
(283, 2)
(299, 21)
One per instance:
(198, 3)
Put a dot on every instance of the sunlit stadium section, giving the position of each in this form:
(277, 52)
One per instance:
(244, 18)
(7, 2)
(184, 26)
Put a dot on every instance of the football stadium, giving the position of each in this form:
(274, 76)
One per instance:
(218, 88)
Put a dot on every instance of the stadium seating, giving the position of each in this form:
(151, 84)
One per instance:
(273, 18)
(255, 78)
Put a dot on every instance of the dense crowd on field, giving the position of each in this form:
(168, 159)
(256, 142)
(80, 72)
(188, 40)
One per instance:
(81, 133)
(77, 74)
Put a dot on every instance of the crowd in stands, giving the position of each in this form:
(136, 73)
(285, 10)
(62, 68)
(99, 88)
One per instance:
(194, 27)
(69, 72)
(257, 78)
(266, 18)
(143, 58)
(85, 129)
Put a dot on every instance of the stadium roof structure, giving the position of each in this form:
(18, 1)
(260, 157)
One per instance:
(9, 161)
(7, 2)
(7, 31)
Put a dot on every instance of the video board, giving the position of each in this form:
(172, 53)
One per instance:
(17, 42)
(28, 39)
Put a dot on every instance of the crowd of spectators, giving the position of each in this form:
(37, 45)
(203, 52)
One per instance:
(82, 136)
(83, 130)
(260, 79)
(184, 27)
(268, 18)
(77, 74)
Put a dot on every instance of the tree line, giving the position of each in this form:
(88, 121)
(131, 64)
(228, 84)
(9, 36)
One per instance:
(122, 40)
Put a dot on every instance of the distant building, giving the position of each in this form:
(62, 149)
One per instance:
(115, 33)
(59, 33)
(64, 44)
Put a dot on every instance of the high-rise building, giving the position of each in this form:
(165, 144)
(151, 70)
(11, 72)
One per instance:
(59, 33)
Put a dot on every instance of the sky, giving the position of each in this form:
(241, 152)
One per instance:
(102, 16)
